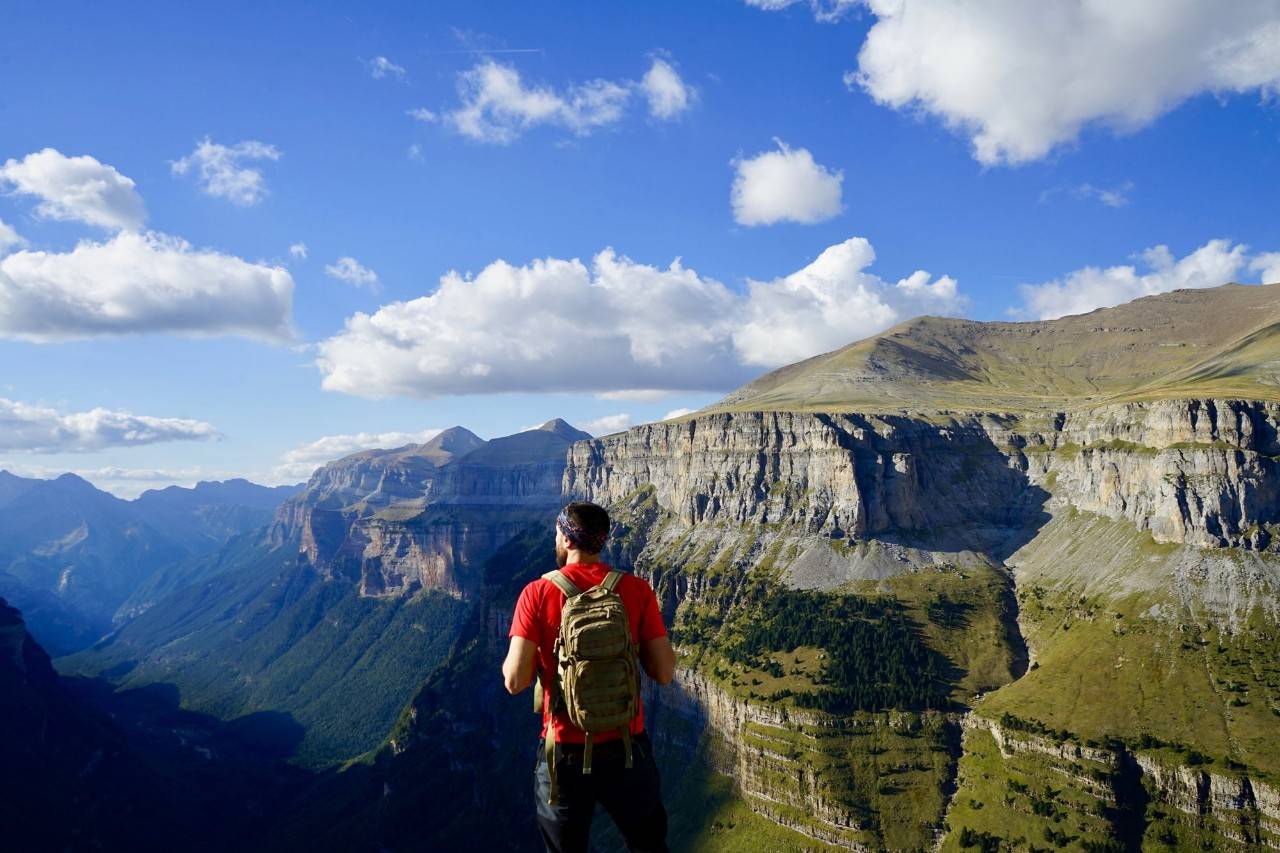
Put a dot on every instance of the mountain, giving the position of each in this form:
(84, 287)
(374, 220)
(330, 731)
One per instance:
(994, 586)
(355, 592)
(72, 554)
(208, 514)
(1187, 344)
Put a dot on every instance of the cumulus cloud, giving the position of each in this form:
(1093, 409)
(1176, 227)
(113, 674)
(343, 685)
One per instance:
(832, 302)
(222, 172)
(380, 67)
(826, 11)
(40, 429)
(1216, 262)
(608, 424)
(667, 94)
(136, 283)
(617, 327)
(9, 239)
(498, 106)
(1019, 79)
(78, 189)
(786, 185)
(298, 250)
(1268, 266)
(302, 461)
(351, 271)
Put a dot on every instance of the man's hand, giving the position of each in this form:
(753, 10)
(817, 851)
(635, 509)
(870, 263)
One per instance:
(518, 668)
(659, 659)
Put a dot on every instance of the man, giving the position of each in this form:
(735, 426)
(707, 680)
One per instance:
(631, 795)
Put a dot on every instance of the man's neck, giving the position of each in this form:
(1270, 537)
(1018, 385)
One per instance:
(580, 557)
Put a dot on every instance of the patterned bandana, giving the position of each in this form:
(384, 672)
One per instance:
(587, 543)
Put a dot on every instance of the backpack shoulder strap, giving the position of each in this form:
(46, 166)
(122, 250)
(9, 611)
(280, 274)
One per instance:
(611, 580)
(565, 585)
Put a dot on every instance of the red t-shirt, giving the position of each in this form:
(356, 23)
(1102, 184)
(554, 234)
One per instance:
(537, 619)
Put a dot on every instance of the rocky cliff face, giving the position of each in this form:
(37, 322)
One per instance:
(422, 517)
(1200, 472)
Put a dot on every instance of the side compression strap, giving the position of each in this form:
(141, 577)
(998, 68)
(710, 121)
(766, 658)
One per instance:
(586, 756)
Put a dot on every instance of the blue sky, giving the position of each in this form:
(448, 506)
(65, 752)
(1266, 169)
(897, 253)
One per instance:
(1028, 166)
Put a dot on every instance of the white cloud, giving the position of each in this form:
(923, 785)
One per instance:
(607, 424)
(302, 461)
(1019, 79)
(667, 94)
(380, 67)
(414, 152)
(1268, 266)
(678, 413)
(832, 302)
(40, 429)
(498, 107)
(786, 185)
(76, 189)
(222, 172)
(551, 325)
(617, 328)
(137, 283)
(826, 11)
(1216, 262)
(298, 250)
(423, 114)
(9, 239)
(350, 270)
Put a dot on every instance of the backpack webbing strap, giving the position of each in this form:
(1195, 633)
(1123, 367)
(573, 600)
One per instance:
(611, 580)
(586, 755)
(565, 585)
(626, 744)
(553, 795)
(537, 694)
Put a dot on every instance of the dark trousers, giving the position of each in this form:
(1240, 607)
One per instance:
(632, 797)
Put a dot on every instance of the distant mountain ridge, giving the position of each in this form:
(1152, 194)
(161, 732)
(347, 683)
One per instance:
(71, 553)
(1199, 342)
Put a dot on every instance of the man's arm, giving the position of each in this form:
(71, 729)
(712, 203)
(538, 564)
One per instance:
(658, 659)
(518, 668)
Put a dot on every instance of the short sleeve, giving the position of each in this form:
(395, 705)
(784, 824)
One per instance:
(651, 626)
(524, 621)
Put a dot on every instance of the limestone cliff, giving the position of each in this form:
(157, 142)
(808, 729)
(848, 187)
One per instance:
(423, 516)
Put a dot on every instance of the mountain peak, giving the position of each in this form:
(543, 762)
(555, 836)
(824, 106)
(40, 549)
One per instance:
(564, 429)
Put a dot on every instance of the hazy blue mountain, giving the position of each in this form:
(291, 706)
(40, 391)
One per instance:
(71, 554)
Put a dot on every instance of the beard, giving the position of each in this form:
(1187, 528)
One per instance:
(562, 556)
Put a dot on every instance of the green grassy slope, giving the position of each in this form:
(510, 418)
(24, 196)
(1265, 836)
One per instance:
(1213, 342)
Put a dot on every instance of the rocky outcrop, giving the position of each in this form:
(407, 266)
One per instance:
(425, 516)
(1201, 472)
(1235, 806)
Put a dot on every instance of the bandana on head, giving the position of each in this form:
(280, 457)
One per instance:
(588, 543)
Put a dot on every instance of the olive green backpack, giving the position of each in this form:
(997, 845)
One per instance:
(597, 678)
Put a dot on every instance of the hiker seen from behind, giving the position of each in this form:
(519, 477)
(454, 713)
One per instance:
(581, 635)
